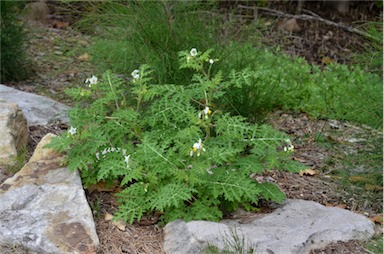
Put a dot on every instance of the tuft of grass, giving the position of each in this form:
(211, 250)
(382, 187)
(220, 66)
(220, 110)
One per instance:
(371, 59)
(375, 245)
(18, 161)
(234, 243)
(96, 207)
(153, 32)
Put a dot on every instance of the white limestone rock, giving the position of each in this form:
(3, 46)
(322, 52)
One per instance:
(38, 110)
(44, 209)
(299, 226)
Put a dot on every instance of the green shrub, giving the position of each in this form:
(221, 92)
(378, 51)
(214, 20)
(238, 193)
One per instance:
(265, 81)
(14, 63)
(173, 151)
(348, 94)
(152, 32)
(268, 80)
(130, 33)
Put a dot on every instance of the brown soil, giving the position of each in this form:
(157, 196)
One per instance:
(60, 63)
(316, 41)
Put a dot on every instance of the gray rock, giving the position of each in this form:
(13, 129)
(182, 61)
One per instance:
(14, 133)
(299, 226)
(43, 207)
(38, 110)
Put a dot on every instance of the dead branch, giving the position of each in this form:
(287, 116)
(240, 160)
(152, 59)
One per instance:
(309, 17)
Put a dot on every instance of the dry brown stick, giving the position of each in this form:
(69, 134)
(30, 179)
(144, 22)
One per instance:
(308, 17)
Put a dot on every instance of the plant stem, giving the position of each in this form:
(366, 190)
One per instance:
(138, 102)
(113, 91)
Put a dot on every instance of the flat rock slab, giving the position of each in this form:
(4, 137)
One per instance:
(38, 110)
(297, 227)
(44, 209)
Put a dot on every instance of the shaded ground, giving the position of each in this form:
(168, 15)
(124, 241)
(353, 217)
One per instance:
(326, 146)
(315, 40)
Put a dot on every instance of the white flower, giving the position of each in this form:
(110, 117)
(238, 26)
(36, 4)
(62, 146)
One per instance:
(205, 112)
(193, 52)
(198, 145)
(197, 148)
(209, 171)
(72, 131)
(290, 147)
(107, 150)
(92, 81)
(211, 61)
(135, 74)
(126, 159)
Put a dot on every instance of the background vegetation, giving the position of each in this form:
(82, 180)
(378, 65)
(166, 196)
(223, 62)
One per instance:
(14, 63)
(152, 32)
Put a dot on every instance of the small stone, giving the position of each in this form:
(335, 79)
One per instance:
(356, 140)
(290, 25)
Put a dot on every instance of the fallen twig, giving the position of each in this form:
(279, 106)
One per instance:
(309, 17)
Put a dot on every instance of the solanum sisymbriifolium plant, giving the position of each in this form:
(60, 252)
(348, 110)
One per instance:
(171, 148)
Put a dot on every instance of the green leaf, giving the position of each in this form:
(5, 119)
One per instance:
(270, 191)
(171, 195)
(133, 202)
(231, 185)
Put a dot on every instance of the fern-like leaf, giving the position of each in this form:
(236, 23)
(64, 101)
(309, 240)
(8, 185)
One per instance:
(171, 196)
(270, 191)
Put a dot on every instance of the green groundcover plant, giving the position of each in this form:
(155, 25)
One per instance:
(173, 151)
(270, 80)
